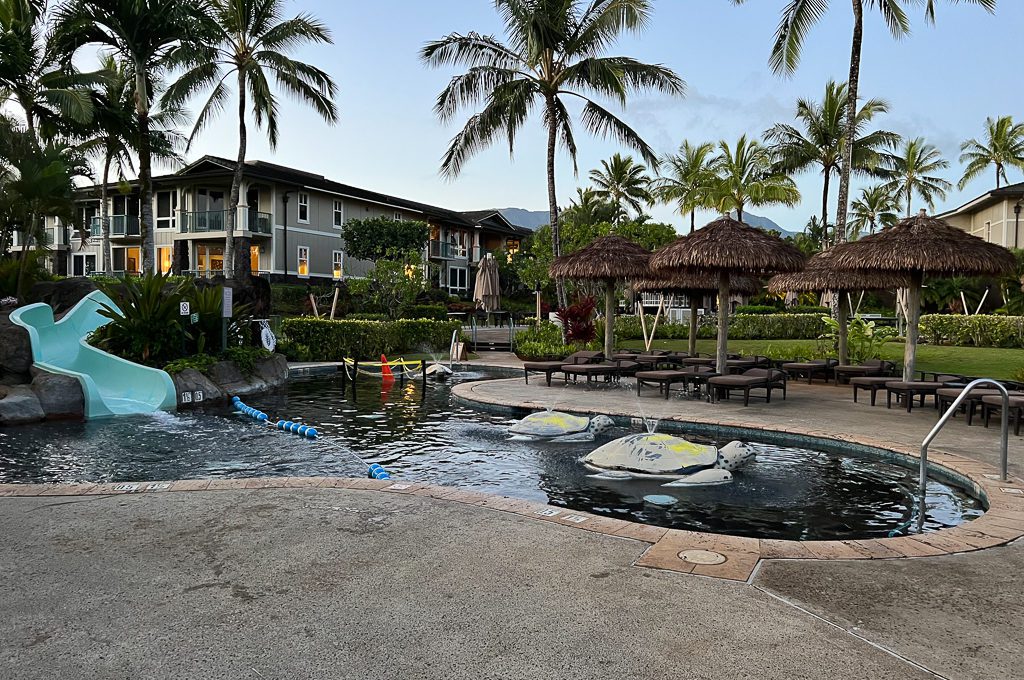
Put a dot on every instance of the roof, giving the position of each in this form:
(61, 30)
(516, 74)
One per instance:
(728, 245)
(1010, 191)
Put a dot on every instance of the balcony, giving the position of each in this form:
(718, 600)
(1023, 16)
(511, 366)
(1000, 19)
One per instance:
(442, 250)
(206, 221)
(121, 226)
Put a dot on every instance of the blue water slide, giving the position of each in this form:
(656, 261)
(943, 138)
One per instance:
(112, 385)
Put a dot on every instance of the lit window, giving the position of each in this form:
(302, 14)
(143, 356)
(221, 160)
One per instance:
(338, 214)
(304, 208)
(457, 278)
(303, 261)
(164, 255)
(338, 266)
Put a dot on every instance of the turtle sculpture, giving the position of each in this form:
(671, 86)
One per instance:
(560, 427)
(662, 456)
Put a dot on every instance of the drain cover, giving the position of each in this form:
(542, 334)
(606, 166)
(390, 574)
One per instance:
(701, 557)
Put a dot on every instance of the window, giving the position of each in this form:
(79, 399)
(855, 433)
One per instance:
(303, 257)
(83, 265)
(398, 216)
(163, 256)
(457, 241)
(339, 215)
(254, 259)
(166, 206)
(304, 208)
(457, 278)
(338, 266)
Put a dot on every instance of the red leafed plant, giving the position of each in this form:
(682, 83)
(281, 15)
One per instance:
(578, 320)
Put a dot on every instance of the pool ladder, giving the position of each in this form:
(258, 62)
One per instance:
(1004, 437)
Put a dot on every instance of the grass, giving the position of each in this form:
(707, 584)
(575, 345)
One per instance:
(974, 361)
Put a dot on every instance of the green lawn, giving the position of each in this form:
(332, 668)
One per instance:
(975, 361)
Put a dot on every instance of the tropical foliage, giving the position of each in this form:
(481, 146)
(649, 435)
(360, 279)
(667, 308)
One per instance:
(912, 171)
(688, 179)
(876, 207)
(1001, 147)
(622, 182)
(378, 238)
(747, 176)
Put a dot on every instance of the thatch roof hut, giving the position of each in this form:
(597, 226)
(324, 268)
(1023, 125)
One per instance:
(726, 247)
(608, 259)
(917, 246)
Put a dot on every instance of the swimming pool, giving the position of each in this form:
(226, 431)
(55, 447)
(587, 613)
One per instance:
(419, 433)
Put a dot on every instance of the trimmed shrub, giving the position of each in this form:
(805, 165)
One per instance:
(808, 309)
(306, 339)
(544, 343)
(757, 309)
(435, 312)
(367, 316)
(980, 330)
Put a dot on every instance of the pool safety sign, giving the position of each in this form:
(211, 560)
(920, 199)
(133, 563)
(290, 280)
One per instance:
(183, 308)
(228, 301)
(189, 397)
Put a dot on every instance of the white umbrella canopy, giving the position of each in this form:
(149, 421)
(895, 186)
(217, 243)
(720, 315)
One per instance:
(487, 291)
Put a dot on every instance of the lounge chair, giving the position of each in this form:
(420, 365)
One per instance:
(608, 370)
(766, 379)
(820, 367)
(872, 367)
(947, 395)
(549, 368)
(740, 364)
(874, 383)
(994, 403)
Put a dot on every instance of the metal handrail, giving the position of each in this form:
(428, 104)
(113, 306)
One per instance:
(1003, 443)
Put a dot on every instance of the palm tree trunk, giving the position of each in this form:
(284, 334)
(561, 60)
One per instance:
(913, 319)
(23, 265)
(693, 221)
(851, 121)
(609, 319)
(844, 331)
(691, 345)
(556, 235)
(824, 209)
(236, 184)
(722, 353)
(739, 213)
(997, 175)
(910, 195)
(105, 217)
(145, 171)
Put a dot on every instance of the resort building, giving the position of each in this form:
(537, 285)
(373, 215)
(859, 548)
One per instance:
(994, 216)
(290, 219)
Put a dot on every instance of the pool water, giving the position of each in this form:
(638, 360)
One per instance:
(418, 433)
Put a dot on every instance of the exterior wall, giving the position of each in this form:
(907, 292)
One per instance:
(996, 223)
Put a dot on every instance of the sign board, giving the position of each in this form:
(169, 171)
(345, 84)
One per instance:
(227, 303)
(183, 308)
(197, 396)
(195, 317)
(186, 397)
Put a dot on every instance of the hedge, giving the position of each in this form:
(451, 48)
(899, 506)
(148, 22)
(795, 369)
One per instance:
(741, 327)
(980, 330)
(309, 339)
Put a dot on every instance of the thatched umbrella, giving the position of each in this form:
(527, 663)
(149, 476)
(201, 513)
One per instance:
(822, 275)
(608, 259)
(694, 285)
(725, 248)
(922, 245)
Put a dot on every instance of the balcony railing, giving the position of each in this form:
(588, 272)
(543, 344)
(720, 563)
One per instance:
(216, 220)
(120, 226)
(447, 251)
(260, 223)
(210, 273)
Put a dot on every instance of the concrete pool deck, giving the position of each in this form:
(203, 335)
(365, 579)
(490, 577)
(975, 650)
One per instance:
(354, 578)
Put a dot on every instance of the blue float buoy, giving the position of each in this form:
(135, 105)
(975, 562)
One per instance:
(312, 433)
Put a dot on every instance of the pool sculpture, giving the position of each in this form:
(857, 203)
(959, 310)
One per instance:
(560, 427)
(662, 456)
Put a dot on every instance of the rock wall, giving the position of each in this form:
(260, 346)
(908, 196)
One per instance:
(224, 380)
(50, 396)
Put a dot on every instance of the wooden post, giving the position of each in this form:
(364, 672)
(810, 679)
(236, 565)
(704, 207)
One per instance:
(913, 319)
(722, 354)
(609, 319)
(334, 303)
(657, 315)
(844, 332)
(694, 306)
(643, 327)
(537, 293)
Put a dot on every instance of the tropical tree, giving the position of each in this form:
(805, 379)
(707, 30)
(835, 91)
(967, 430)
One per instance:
(142, 33)
(688, 179)
(818, 140)
(553, 51)
(588, 208)
(747, 176)
(799, 16)
(47, 91)
(621, 180)
(911, 171)
(251, 42)
(875, 207)
(1003, 146)
(112, 136)
(812, 238)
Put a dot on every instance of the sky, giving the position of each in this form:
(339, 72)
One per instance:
(941, 82)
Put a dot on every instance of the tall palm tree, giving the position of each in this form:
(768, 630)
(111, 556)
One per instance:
(621, 180)
(1003, 146)
(875, 207)
(251, 43)
(688, 180)
(819, 140)
(553, 52)
(747, 176)
(142, 33)
(112, 136)
(799, 16)
(588, 208)
(911, 171)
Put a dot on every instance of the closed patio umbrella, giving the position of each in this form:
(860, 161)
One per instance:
(608, 259)
(487, 290)
(918, 246)
(725, 248)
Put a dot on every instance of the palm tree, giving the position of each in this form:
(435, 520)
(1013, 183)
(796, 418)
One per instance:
(142, 33)
(553, 52)
(910, 172)
(113, 135)
(622, 180)
(1003, 145)
(875, 207)
(251, 43)
(820, 142)
(588, 208)
(689, 180)
(799, 16)
(747, 177)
